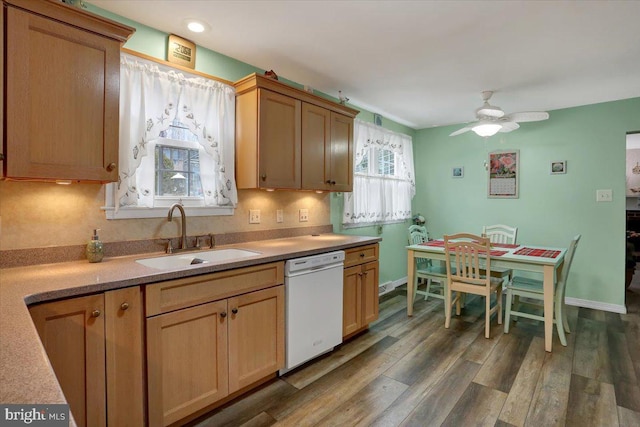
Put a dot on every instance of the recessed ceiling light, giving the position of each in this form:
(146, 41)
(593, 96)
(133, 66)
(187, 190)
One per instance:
(196, 26)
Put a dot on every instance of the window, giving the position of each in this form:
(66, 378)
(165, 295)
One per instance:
(177, 143)
(177, 172)
(383, 180)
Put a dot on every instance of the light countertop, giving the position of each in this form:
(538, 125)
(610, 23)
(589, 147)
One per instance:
(26, 375)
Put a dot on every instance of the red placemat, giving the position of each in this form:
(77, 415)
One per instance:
(546, 253)
(504, 245)
(440, 244)
(437, 243)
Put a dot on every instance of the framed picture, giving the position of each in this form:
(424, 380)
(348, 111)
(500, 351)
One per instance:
(558, 167)
(377, 119)
(504, 174)
(457, 172)
(181, 51)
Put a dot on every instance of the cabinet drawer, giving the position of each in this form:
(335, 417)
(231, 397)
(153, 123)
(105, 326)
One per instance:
(360, 255)
(181, 293)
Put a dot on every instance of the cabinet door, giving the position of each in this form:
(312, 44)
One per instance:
(351, 302)
(279, 141)
(256, 336)
(340, 156)
(316, 148)
(62, 96)
(186, 361)
(125, 363)
(72, 332)
(370, 292)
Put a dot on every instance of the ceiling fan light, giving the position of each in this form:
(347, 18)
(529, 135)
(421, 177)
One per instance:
(486, 129)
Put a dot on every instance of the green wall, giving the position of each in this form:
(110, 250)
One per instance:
(551, 208)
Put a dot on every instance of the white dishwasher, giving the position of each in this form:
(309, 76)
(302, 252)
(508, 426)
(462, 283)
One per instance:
(313, 289)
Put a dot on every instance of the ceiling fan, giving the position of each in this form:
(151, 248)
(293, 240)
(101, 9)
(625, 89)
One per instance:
(491, 119)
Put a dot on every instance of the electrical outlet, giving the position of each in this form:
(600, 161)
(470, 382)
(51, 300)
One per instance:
(604, 196)
(279, 215)
(254, 216)
(304, 215)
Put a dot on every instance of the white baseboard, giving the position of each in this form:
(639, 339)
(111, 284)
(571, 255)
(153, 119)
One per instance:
(585, 303)
(387, 287)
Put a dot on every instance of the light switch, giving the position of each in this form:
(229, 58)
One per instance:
(604, 196)
(254, 216)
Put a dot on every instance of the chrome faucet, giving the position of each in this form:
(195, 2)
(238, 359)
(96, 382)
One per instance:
(183, 244)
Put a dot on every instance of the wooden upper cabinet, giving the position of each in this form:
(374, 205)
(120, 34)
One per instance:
(62, 77)
(291, 139)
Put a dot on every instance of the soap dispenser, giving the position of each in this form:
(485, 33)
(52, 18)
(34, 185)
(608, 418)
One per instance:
(95, 250)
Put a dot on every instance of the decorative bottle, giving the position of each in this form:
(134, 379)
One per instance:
(95, 250)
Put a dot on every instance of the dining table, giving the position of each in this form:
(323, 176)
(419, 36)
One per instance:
(532, 258)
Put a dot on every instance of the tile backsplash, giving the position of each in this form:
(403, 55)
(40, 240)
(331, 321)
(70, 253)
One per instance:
(37, 215)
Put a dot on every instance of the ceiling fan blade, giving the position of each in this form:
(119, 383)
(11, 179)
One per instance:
(508, 126)
(528, 116)
(460, 131)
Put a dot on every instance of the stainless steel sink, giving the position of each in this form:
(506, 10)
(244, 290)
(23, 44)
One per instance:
(199, 257)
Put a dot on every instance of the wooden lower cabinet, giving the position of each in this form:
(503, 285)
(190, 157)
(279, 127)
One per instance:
(199, 355)
(360, 289)
(95, 346)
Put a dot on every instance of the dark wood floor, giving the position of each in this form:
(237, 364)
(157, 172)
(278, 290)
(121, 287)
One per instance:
(414, 372)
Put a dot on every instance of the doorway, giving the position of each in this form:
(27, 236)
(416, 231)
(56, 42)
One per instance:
(632, 273)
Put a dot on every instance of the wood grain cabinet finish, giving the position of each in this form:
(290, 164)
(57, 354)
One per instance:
(62, 73)
(360, 291)
(327, 150)
(95, 347)
(199, 355)
(291, 139)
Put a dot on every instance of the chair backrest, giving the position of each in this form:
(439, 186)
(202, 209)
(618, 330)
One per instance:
(418, 234)
(462, 252)
(500, 233)
(568, 259)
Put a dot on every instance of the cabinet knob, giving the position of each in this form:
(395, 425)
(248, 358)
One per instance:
(328, 181)
(263, 176)
(362, 255)
(1, 156)
(223, 314)
(124, 306)
(333, 183)
(95, 313)
(111, 167)
(234, 311)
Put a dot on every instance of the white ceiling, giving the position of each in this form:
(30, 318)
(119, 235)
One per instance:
(424, 63)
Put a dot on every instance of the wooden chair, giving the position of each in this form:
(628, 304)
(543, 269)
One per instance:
(425, 269)
(500, 233)
(532, 288)
(505, 234)
(464, 251)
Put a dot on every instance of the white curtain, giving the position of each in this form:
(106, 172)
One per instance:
(380, 198)
(152, 97)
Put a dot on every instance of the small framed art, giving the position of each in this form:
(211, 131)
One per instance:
(457, 172)
(558, 167)
(181, 51)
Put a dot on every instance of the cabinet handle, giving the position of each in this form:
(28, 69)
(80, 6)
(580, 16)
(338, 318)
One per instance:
(263, 176)
(1, 156)
(124, 306)
(95, 313)
(362, 255)
(234, 311)
(328, 181)
(333, 183)
(223, 314)
(111, 167)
